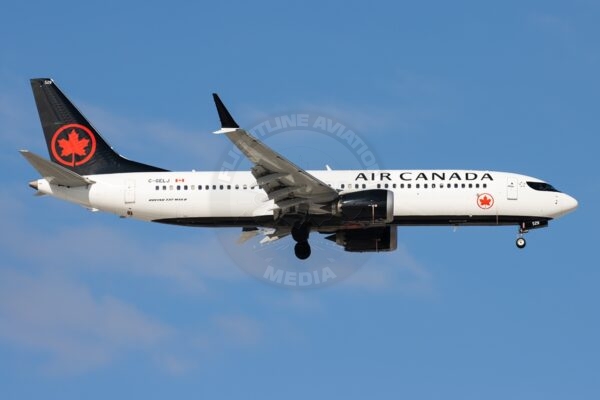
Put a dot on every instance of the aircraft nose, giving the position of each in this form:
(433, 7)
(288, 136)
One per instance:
(569, 204)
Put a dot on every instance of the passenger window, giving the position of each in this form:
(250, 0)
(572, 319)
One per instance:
(237, 187)
(220, 187)
(386, 186)
(228, 187)
(245, 187)
(178, 187)
(470, 186)
(343, 186)
(364, 186)
(170, 187)
(379, 186)
(214, 187)
(156, 187)
(185, 187)
(164, 187)
(394, 186)
(418, 185)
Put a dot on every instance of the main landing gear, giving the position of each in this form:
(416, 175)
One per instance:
(300, 234)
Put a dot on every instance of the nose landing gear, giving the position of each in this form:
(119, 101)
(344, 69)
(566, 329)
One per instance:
(521, 242)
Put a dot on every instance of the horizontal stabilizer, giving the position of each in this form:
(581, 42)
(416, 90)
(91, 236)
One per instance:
(54, 173)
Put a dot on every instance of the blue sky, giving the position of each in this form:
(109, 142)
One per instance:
(93, 306)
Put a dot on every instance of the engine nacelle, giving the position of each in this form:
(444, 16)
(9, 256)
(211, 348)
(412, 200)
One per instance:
(367, 240)
(366, 206)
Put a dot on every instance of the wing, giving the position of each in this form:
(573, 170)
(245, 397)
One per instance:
(289, 186)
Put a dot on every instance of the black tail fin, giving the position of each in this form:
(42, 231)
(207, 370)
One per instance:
(72, 141)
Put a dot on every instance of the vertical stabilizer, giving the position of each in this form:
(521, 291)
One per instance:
(72, 141)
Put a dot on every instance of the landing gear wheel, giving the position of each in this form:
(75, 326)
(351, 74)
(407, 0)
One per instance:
(302, 250)
(521, 242)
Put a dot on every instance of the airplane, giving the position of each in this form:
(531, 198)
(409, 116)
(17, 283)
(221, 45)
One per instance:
(359, 210)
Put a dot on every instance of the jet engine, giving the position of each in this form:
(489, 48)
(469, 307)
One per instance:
(366, 240)
(367, 206)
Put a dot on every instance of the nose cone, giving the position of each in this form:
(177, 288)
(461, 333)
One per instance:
(568, 204)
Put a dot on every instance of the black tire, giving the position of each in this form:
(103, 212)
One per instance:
(302, 250)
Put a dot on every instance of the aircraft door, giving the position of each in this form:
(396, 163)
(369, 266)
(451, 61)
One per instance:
(512, 188)
(129, 191)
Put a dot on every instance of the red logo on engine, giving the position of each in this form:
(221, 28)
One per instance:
(485, 201)
(73, 145)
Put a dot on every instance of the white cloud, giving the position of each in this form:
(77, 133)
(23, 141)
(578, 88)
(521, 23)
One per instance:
(398, 271)
(77, 330)
(296, 301)
(239, 329)
(174, 365)
(187, 258)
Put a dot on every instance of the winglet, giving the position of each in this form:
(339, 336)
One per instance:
(227, 121)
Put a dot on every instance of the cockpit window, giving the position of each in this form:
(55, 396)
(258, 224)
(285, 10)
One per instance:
(542, 186)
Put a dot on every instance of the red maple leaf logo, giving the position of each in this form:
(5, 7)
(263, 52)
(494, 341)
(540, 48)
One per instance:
(73, 146)
(485, 201)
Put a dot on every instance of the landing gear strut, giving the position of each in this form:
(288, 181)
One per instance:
(521, 242)
(525, 226)
(300, 234)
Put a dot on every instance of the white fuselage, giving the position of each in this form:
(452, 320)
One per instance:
(429, 197)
